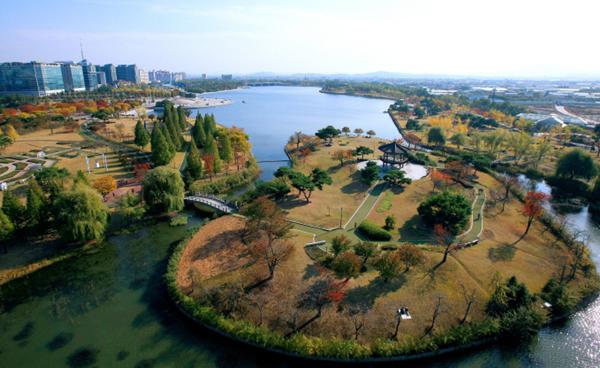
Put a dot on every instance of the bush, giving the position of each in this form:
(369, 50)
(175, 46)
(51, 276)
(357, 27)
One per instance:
(373, 232)
(556, 294)
(521, 324)
(179, 220)
(567, 187)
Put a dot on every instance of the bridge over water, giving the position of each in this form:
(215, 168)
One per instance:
(212, 202)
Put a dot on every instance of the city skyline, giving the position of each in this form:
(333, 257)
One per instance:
(465, 38)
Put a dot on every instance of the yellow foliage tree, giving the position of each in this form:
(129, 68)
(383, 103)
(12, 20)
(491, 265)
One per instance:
(105, 184)
(11, 132)
(444, 122)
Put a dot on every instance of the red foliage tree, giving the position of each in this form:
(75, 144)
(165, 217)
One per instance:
(533, 208)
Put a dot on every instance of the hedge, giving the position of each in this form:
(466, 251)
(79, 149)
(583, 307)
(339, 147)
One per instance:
(373, 232)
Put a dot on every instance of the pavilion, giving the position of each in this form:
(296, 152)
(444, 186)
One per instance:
(393, 155)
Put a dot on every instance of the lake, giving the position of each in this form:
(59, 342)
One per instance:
(270, 115)
(110, 308)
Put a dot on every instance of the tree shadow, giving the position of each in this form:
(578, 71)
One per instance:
(292, 201)
(216, 244)
(311, 270)
(366, 295)
(415, 231)
(502, 253)
(59, 341)
(355, 186)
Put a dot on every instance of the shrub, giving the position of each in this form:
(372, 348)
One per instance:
(373, 232)
(227, 182)
(521, 324)
(179, 220)
(556, 294)
(508, 297)
(567, 187)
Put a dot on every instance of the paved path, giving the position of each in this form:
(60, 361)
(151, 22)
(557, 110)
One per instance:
(476, 226)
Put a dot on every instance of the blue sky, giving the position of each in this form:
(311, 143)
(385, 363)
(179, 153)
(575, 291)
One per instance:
(521, 38)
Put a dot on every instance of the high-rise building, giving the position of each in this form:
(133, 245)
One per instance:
(101, 77)
(176, 77)
(143, 76)
(128, 73)
(90, 76)
(162, 76)
(110, 72)
(227, 77)
(152, 76)
(33, 78)
(203, 75)
(72, 75)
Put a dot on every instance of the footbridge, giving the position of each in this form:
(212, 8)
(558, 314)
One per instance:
(212, 202)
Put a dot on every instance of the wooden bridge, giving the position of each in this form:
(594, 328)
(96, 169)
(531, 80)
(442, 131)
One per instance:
(212, 202)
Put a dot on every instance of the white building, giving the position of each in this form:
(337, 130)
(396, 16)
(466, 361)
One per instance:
(143, 76)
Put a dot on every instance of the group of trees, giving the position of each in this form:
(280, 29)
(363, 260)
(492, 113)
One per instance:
(305, 184)
(167, 134)
(55, 201)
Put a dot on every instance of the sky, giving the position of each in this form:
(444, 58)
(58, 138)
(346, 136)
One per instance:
(509, 38)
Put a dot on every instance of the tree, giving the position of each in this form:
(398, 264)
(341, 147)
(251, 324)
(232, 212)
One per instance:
(444, 238)
(5, 141)
(410, 256)
(437, 310)
(458, 140)
(101, 114)
(297, 138)
(198, 133)
(80, 214)
(340, 244)
(346, 266)
(362, 151)
(161, 151)
(447, 209)
(358, 131)
(396, 177)
(507, 297)
(519, 144)
(371, 133)
(412, 124)
(105, 184)
(36, 210)
(346, 130)
(51, 180)
(508, 184)
(388, 266)
(543, 148)
(225, 151)
(365, 250)
(129, 207)
(12, 207)
(470, 299)
(181, 117)
(163, 190)
(419, 112)
(320, 177)
(11, 132)
(370, 173)
(533, 208)
(341, 155)
(275, 189)
(142, 138)
(267, 226)
(212, 150)
(439, 179)
(576, 163)
(390, 222)
(328, 133)
(6, 229)
(305, 184)
(194, 164)
(436, 136)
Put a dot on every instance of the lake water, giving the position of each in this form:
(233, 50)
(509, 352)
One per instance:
(270, 115)
(110, 308)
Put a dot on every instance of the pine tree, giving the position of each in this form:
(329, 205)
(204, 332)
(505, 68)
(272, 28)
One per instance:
(165, 132)
(225, 151)
(198, 133)
(194, 162)
(208, 126)
(212, 150)
(142, 138)
(173, 133)
(182, 118)
(161, 152)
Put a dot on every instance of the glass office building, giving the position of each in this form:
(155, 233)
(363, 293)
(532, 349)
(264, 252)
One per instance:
(110, 72)
(33, 79)
(73, 77)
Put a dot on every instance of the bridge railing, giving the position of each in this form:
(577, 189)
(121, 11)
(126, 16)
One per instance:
(213, 197)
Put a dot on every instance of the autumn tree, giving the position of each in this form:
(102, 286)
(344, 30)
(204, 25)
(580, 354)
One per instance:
(342, 155)
(346, 266)
(388, 266)
(458, 140)
(105, 184)
(439, 179)
(410, 256)
(533, 208)
(444, 238)
(268, 229)
(323, 292)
